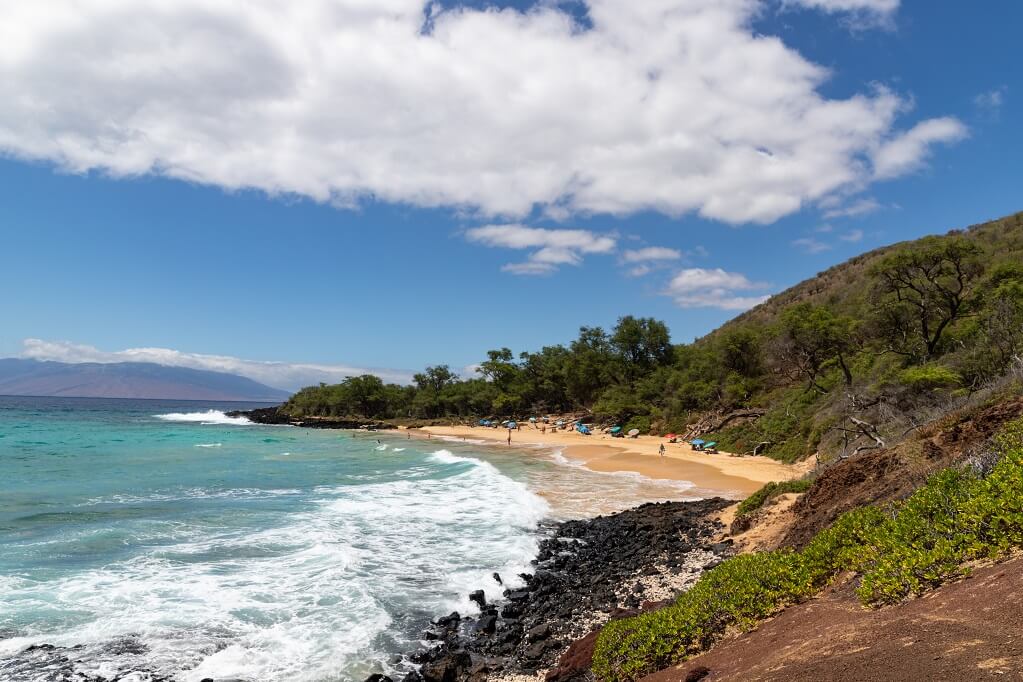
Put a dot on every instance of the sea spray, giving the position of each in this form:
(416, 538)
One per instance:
(207, 417)
(171, 560)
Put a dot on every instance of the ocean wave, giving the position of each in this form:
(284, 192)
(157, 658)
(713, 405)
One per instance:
(174, 495)
(558, 457)
(207, 418)
(462, 439)
(208, 445)
(348, 576)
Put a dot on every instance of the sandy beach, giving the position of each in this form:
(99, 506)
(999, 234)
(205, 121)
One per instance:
(720, 472)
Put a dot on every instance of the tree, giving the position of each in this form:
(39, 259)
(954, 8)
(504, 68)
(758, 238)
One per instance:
(924, 288)
(740, 352)
(640, 345)
(813, 337)
(435, 378)
(587, 370)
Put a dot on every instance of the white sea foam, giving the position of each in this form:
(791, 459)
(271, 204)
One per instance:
(578, 491)
(558, 457)
(208, 418)
(309, 599)
(208, 445)
(460, 439)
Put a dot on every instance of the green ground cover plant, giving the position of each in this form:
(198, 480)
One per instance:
(960, 515)
(908, 327)
(769, 492)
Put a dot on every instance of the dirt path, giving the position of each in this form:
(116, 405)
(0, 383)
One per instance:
(966, 631)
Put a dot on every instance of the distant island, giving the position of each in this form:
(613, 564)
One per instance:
(23, 377)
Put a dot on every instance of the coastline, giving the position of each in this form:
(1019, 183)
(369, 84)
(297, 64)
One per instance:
(586, 572)
(721, 473)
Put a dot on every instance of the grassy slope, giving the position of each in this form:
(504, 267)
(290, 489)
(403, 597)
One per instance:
(960, 515)
(799, 422)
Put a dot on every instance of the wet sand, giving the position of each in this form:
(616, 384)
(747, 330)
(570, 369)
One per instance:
(722, 472)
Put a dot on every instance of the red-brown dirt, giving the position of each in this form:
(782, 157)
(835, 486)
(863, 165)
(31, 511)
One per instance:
(971, 630)
(893, 474)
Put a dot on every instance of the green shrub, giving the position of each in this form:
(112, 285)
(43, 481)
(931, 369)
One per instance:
(929, 377)
(641, 422)
(956, 518)
(903, 549)
(770, 491)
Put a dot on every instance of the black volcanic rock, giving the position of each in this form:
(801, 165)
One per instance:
(585, 570)
(274, 415)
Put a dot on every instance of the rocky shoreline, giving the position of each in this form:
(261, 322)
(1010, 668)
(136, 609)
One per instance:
(273, 416)
(586, 572)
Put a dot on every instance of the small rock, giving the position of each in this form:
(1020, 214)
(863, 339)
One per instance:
(448, 621)
(538, 633)
(487, 624)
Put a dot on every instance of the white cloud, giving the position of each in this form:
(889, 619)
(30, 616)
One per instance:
(854, 209)
(906, 152)
(878, 6)
(529, 268)
(651, 253)
(860, 14)
(811, 245)
(649, 259)
(286, 375)
(990, 103)
(673, 106)
(713, 288)
(989, 100)
(553, 247)
(853, 236)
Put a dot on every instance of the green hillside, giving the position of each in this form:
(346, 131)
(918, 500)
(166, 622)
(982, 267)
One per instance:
(852, 359)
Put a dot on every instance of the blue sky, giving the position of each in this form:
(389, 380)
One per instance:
(115, 239)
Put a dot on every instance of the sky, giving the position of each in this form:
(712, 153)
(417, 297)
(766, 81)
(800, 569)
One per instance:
(303, 191)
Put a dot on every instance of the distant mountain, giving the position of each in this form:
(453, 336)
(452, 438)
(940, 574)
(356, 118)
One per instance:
(128, 380)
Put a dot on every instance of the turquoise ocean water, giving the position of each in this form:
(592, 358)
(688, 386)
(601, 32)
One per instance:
(165, 540)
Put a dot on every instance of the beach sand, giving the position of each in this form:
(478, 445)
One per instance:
(720, 472)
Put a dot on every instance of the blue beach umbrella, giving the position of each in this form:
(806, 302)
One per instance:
(616, 429)
(697, 441)
(512, 425)
(532, 420)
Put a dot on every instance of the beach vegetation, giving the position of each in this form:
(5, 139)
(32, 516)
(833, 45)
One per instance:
(851, 359)
(769, 492)
(960, 516)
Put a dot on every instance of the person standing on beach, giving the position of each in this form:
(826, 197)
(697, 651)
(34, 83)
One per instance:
(509, 436)
(662, 449)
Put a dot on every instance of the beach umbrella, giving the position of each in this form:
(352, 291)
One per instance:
(532, 420)
(512, 425)
(483, 422)
(615, 429)
(670, 435)
(634, 432)
(697, 441)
